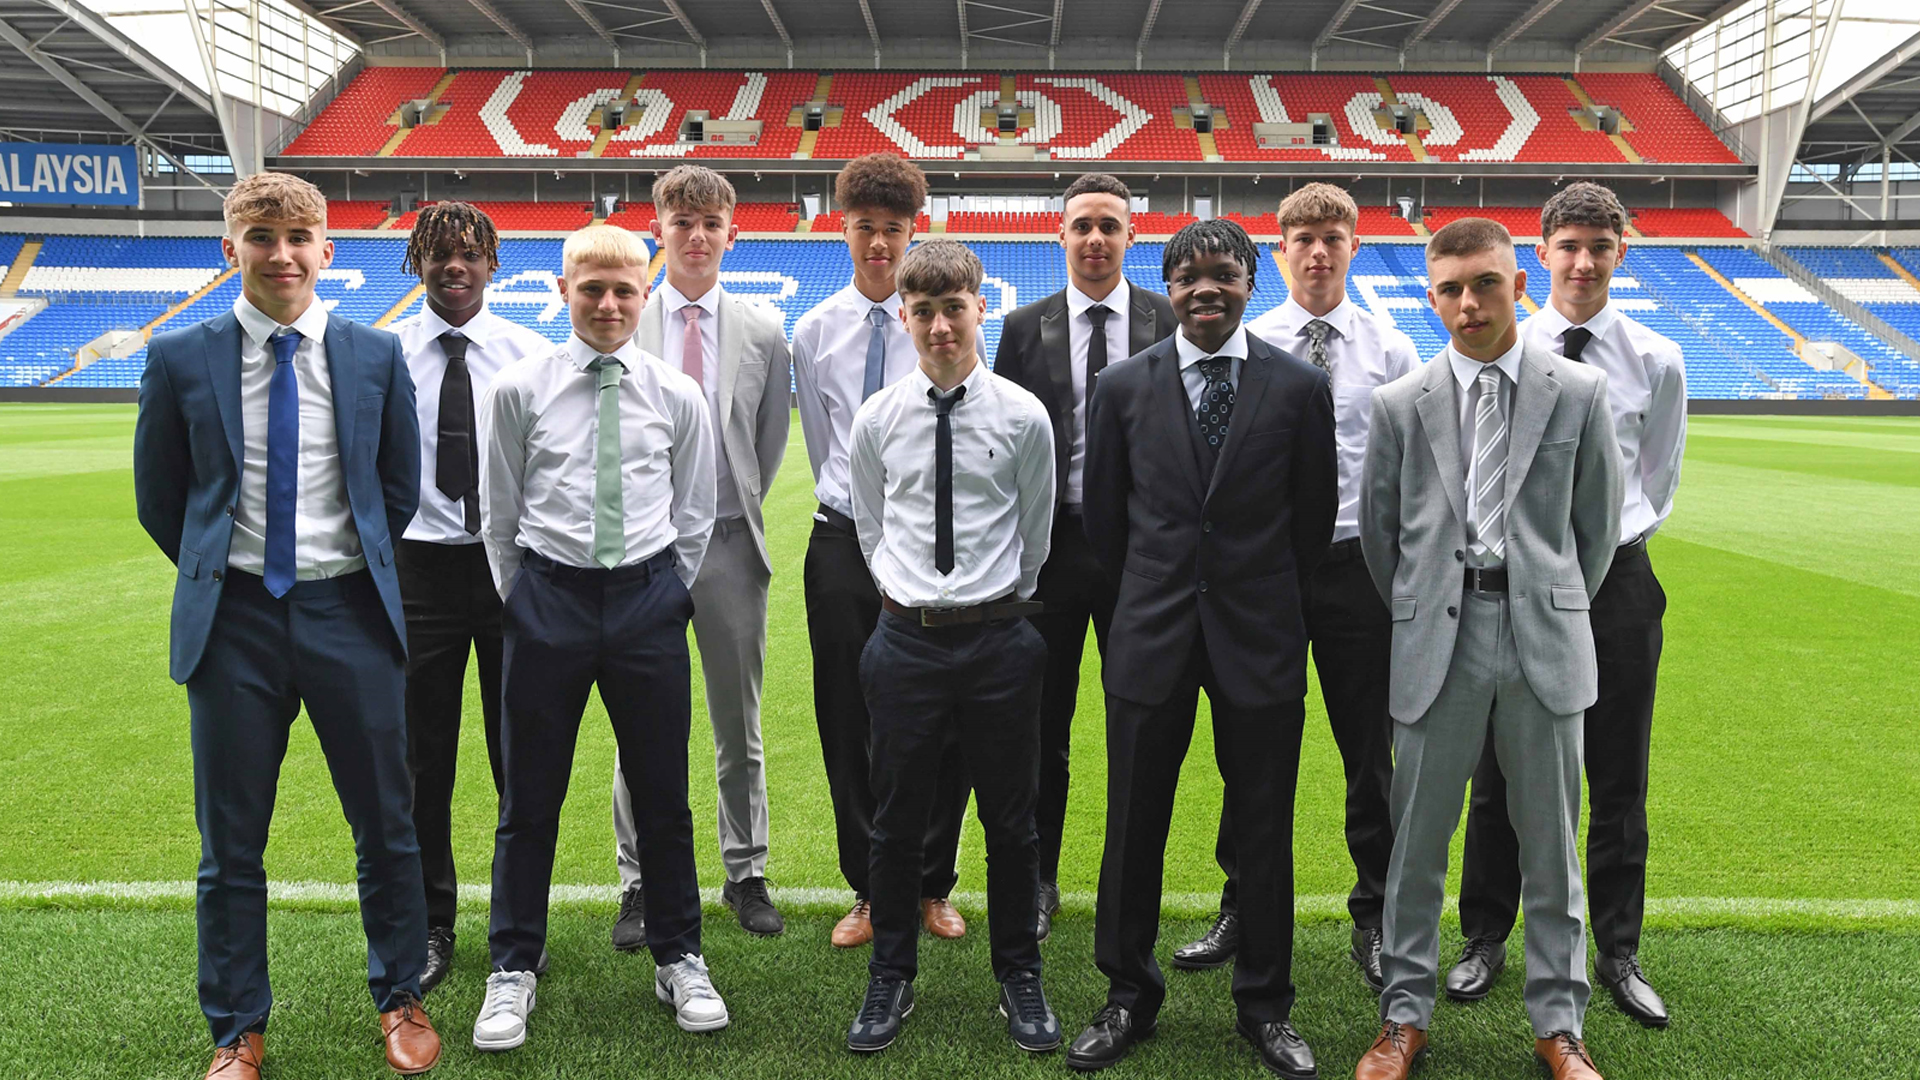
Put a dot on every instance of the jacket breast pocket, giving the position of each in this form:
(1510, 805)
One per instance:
(1557, 446)
(1403, 607)
(1266, 439)
(1571, 598)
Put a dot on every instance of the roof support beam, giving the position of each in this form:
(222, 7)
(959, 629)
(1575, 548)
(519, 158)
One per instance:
(1427, 27)
(1615, 25)
(962, 5)
(110, 35)
(693, 31)
(778, 28)
(327, 20)
(1334, 22)
(866, 12)
(407, 20)
(85, 93)
(1053, 39)
(1525, 23)
(506, 25)
(599, 28)
(1893, 138)
(1711, 17)
(1774, 177)
(1146, 31)
(1240, 30)
(1874, 72)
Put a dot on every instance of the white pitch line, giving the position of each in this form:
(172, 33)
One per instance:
(1693, 910)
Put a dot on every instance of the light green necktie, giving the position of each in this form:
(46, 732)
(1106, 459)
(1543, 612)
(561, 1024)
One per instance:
(609, 518)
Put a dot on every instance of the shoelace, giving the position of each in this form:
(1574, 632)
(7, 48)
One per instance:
(755, 888)
(1220, 923)
(1629, 968)
(504, 991)
(1108, 1013)
(879, 999)
(1481, 948)
(861, 907)
(408, 1007)
(1394, 1035)
(1571, 1047)
(631, 901)
(1029, 1004)
(440, 936)
(232, 1052)
(691, 978)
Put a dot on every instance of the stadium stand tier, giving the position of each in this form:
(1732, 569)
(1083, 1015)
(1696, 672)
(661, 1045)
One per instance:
(1733, 348)
(490, 112)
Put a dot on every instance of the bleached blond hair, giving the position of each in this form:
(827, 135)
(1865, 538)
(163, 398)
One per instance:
(607, 246)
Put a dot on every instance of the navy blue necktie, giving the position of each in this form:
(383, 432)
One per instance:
(283, 461)
(1216, 403)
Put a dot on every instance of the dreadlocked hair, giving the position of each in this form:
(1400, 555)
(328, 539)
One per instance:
(1216, 237)
(451, 226)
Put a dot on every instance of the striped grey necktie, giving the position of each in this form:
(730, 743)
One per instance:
(1490, 465)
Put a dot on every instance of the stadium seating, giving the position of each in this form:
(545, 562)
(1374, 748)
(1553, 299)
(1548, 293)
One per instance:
(521, 216)
(1860, 276)
(1125, 116)
(1787, 300)
(1519, 220)
(356, 214)
(834, 221)
(1695, 223)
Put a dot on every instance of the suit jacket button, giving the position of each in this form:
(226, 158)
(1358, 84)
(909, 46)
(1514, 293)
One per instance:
(229, 511)
(1203, 586)
(216, 575)
(1206, 526)
(1453, 612)
(1459, 556)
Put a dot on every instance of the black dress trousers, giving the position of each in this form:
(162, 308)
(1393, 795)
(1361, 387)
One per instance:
(1626, 619)
(453, 611)
(843, 607)
(568, 630)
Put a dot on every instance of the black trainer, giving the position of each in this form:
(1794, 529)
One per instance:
(630, 929)
(749, 900)
(1030, 1019)
(878, 1024)
(439, 958)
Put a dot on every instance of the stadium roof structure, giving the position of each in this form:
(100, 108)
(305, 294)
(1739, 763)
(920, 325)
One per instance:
(1873, 115)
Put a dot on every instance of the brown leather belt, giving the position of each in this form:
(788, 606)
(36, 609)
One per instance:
(991, 611)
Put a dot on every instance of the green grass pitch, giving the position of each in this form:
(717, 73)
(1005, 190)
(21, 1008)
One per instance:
(1784, 921)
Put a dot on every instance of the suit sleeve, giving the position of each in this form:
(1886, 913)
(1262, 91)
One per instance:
(399, 458)
(1316, 480)
(162, 459)
(1106, 479)
(1010, 361)
(771, 425)
(1598, 487)
(1380, 499)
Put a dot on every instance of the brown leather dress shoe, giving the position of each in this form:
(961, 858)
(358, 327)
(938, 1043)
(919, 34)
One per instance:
(1393, 1054)
(412, 1044)
(239, 1060)
(856, 928)
(1565, 1057)
(940, 919)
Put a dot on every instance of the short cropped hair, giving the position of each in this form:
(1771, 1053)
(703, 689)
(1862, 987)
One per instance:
(607, 246)
(272, 198)
(1468, 236)
(1097, 183)
(1317, 202)
(693, 187)
(449, 226)
(939, 267)
(886, 182)
(1216, 237)
(1583, 203)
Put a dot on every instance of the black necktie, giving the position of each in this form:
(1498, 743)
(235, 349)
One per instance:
(1576, 338)
(456, 467)
(1096, 346)
(1216, 401)
(943, 477)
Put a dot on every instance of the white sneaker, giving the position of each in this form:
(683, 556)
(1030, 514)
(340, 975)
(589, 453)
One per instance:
(685, 985)
(503, 1017)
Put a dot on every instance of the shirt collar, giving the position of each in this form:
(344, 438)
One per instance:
(1555, 324)
(674, 299)
(921, 384)
(1340, 318)
(1190, 353)
(582, 354)
(259, 326)
(891, 305)
(1078, 302)
(477, 330)
(1466, 370)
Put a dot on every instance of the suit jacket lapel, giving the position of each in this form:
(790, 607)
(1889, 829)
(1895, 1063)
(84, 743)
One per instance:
(1143, 327)
(343, 374)
(1175, 416)
(1056, 349)
(1533, 400)
(1440, 419)
(727, 323)
(1254, 371)
(222, 344)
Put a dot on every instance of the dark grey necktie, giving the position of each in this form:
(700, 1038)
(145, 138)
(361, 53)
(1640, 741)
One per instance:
(1096, 346)
(943, 477)
(1577, 339)
(456, 467)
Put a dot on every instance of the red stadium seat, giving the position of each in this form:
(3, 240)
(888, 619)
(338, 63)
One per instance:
(354, 123)
(1664, 128)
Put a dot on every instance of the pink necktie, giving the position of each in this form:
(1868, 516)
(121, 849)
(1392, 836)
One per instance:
(692, 354)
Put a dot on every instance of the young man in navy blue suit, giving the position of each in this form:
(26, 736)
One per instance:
(276, 460)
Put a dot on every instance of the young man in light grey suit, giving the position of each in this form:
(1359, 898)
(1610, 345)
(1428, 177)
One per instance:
(738, 354)
(1489, 513)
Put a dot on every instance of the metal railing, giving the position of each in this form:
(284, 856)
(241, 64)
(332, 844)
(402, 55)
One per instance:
(1830, 296)
(1704, 108)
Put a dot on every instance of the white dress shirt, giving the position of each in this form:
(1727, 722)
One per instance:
(492, 344)
(1363, 352)
(1647, 389)
(830, 372)
(1465, 372)
(1002, 490)
(539, 432)
(673, 336)
(1080, 342)
(326, 542)
(1190, 356)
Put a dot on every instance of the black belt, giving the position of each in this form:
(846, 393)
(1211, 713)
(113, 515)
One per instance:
(991, 611)
(836, 519)
(642, 571)
(1344, 551)
(1486, 579)
(1631, 549)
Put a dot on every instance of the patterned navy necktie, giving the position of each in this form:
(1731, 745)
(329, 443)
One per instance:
(1216, 401)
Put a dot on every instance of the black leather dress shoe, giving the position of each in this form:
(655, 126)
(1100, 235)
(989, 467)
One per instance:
(1630, 989)
(541, 965)
(1366, 953)
(1049, 907)
(1481, 963)
(439, 958)
(1282, 1050)
(1215, 947)
(749, 900)
(630, 929)
(1107, 1040)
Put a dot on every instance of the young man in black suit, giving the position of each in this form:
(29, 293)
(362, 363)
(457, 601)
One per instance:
(1211, 493)
(1054, 348)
